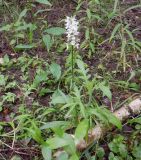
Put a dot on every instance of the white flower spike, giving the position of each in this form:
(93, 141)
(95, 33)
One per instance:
(71, 26)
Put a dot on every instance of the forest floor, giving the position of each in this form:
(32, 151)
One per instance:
(33, 69)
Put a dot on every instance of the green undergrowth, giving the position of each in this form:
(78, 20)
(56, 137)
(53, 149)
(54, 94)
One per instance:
(49, 91)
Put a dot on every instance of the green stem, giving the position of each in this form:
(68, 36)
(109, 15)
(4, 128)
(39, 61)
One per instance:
(72, 63)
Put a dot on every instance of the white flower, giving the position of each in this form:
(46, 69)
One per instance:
(71, 26)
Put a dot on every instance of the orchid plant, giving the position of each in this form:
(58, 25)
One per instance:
(72, 25)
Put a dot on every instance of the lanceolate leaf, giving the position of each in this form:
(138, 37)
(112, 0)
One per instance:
(44, 2)
(47, 41)
(46, 152)
(63, 156)
(5, 28)
(105, 89)
(115, 30)
(55, 70)
(56, 31)
(55, 124)
(82, 129)
(22, 14)
(2, 80)
(59, 97)
(135, 120)
(111, 118)
(106, 116)
(56, 142)
(65, 141)
(115, 6)
(25, 46)
(35, 132)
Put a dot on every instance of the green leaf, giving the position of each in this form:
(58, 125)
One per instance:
(81, 66)
(47, 41)
(6, 59)
(132, 75)
(44, 2)
(135, 120)
(59, 131)
(70, 148)
(1, 108)
(92, 46)
(6, 27)
(105, 89)
(113, 147)
(56, 142)
(44, 91)
(113, 157)
(89, 14)
(131, 37)
(123, 150)
(82, 129)
(134, 86)
(59, 142)
(59, 98)
(93, 158)
(24, 46)
(63, 156)
(111, 118)
(115, 31)
(55, 124)
(106, 116)
(16, 157)
(74, 157)
(35, 132)
(137, 152)
(56, 31)
(55, 70)
(100, 152)
(2, 80)
(46, 152)
(87, 34)
(115, 6)
(40, 77)
(22, 14)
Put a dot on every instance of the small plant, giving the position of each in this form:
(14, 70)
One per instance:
(72, 40)
(51, 35)
(56, 97)
(117, 146)
(18, 31)
(7, 98)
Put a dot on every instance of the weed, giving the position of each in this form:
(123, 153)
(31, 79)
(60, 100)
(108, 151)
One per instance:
(45, 97)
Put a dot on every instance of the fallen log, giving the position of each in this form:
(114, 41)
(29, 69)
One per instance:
(95, 134)
(99, 131)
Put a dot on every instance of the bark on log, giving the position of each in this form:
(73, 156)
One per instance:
(122, 114)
